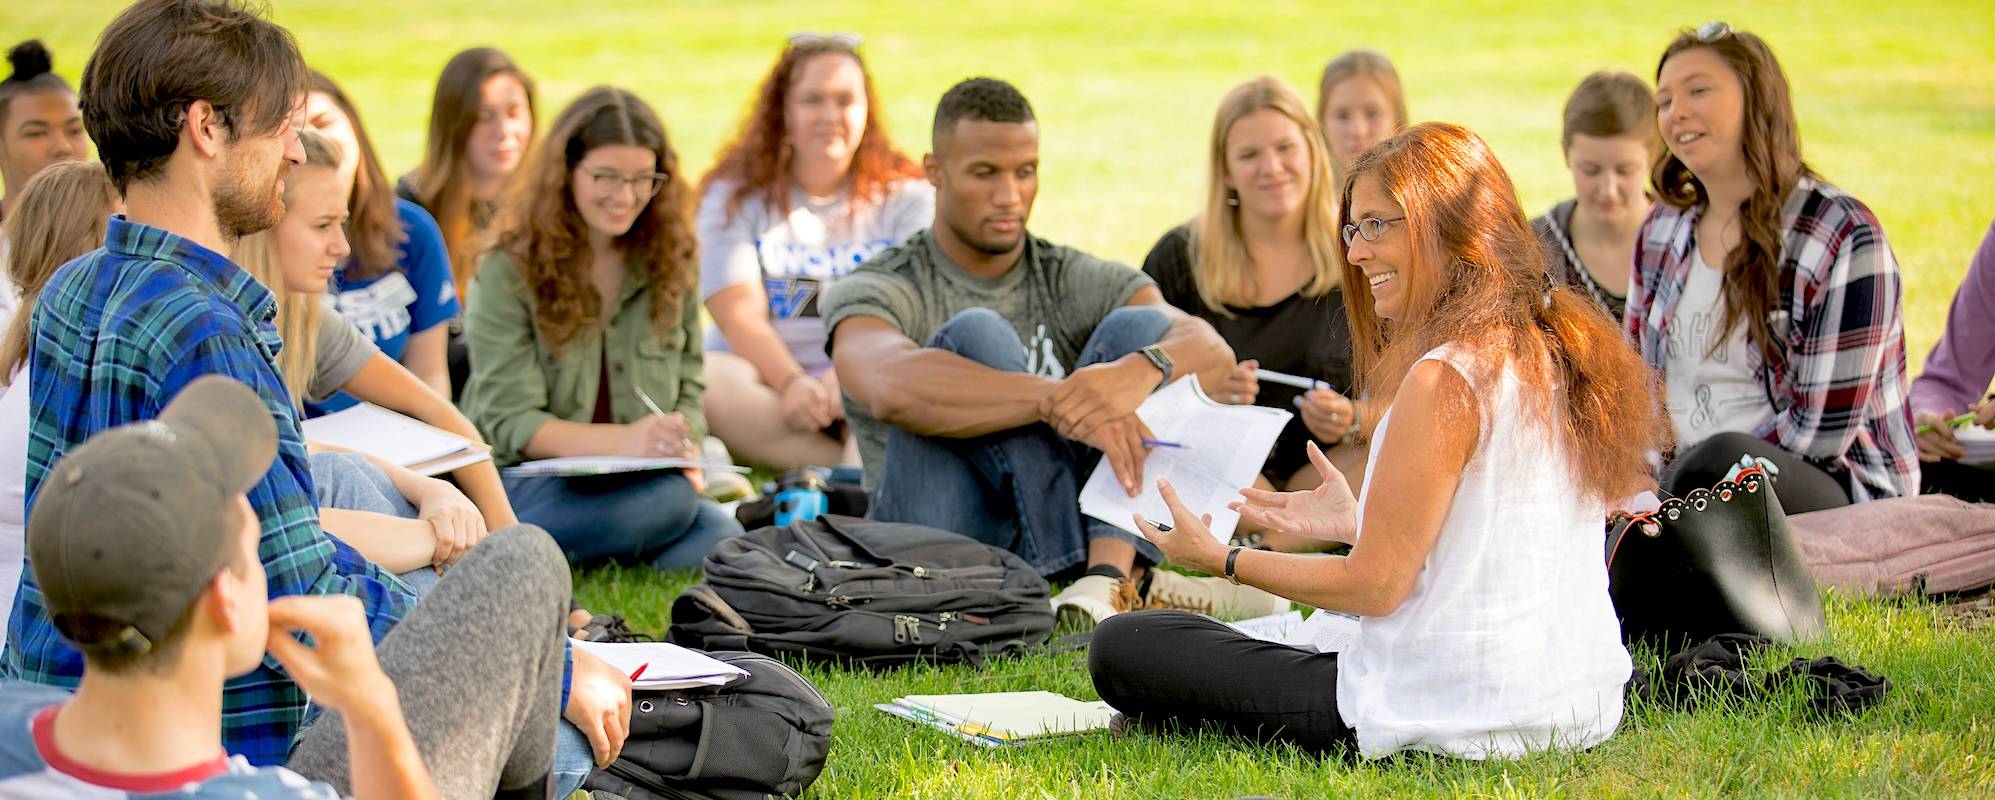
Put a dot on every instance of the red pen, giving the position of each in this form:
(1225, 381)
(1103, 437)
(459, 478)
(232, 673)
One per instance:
(639, 671)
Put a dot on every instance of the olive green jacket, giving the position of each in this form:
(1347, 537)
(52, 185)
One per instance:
(517, 384)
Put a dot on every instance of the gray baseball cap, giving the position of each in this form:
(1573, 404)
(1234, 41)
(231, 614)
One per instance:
(129, 527)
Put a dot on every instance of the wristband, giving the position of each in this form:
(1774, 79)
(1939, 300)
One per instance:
(1357, 424)
(1233, 556)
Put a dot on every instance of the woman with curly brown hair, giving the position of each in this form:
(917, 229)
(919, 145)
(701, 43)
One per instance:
(584, 307)
(809, 189)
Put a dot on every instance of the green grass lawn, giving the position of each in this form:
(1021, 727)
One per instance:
(1897, 105)
(1933, 737)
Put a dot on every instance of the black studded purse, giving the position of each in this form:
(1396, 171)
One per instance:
(1717, 560)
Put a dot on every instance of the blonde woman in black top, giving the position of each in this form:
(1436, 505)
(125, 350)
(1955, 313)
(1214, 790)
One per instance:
(1259, 264)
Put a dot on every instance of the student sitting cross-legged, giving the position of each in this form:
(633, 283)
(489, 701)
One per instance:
(810, 188)
(1955, 382)
(189, 102)
(986, 371)
(584, 318)
(1516, 413)
(162, 626)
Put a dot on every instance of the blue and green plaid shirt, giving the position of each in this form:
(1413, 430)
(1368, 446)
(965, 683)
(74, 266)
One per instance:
(117, 333)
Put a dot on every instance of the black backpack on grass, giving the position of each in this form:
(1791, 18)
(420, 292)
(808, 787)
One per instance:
(766, 734)
(851, 590)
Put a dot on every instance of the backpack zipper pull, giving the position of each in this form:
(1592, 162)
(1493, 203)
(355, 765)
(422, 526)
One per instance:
(901, 628)
(920, 571)
(942, 620)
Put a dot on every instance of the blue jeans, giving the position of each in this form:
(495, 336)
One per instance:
(347, 481)
(653, 517)
(1018, 489)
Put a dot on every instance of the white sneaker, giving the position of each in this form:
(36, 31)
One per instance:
(1092, 599)
(1213, 596)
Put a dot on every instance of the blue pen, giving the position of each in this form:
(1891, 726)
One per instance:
(1161, 443)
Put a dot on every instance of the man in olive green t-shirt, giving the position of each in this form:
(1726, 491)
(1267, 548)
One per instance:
(1036, 358)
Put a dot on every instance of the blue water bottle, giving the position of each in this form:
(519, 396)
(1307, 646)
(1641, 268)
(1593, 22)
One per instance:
(801, 496)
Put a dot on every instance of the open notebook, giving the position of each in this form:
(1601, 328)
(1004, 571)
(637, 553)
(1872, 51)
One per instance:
(371, 429)
(1002, 719)
(660, 665)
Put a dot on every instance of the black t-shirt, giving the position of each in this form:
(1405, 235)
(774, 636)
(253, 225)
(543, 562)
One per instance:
(1309, 337)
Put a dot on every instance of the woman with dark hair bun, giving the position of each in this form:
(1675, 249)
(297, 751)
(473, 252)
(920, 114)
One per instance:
(1768, 299)
(583, 313)
(40, 124)
(808, 190)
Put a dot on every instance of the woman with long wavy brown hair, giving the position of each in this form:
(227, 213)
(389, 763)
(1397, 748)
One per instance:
(481, 122)
(1769, 299)
(582, 315)
(1516, 414)
(807, 191)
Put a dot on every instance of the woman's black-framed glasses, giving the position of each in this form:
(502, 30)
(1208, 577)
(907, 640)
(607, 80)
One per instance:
(849, 41)
(1712, 31)
(1371, 228)
(644, 184)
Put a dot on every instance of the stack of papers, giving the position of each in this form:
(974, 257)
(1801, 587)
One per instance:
(1002, 719)
(572, 466)
(1979, 443)
(379, 432)
(659, 665)
(1323, 631)
(1220, 449)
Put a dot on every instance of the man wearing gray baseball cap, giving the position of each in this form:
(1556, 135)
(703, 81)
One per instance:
(145, 546)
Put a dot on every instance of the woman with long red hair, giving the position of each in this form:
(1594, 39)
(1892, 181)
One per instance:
(1516, 413)
(809, 189)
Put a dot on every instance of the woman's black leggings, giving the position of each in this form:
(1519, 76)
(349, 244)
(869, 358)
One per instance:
(1168, 668)
(1801, 486)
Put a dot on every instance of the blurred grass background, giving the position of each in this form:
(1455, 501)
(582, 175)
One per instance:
(1896, 100)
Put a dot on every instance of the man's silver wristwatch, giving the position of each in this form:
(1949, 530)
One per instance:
(1161, 360)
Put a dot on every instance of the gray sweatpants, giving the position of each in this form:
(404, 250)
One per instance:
(478, 666)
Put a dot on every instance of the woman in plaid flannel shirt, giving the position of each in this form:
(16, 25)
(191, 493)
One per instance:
(1769, 300)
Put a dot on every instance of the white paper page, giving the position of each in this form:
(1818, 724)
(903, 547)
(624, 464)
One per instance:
(1223, 447)
(372, 429)
(1326, 632)
(1271, 628)
(1979, 443)
(452, 462)
(665, 665)
(605, 465)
